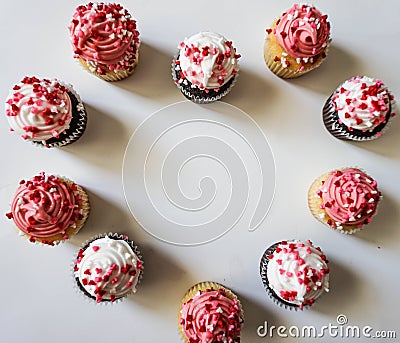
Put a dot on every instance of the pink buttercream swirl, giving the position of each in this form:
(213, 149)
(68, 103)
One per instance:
(105, 34)
(211, 317)
(303, 31)
(45, 206)
(349, 197)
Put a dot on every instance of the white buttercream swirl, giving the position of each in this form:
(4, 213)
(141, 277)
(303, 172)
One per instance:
(362, 103)
(208, 60)
(298, 272)
(108, 269)
(39, 109)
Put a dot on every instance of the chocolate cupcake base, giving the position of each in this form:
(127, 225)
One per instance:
(76, 128)
(331, 121)
(195, 94)
(263, 273)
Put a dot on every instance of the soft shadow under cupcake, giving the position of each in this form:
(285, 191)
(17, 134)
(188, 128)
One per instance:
(345, 291)
(152, 78)
(340, 64)
(161, 272)
(256, 319)
(383, 231)
(252, 93)
(104, 141)
(105, 216)
(388, 144)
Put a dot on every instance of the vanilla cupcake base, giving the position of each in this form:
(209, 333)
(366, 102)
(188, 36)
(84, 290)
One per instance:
(107, 74)
(284, 65)
(315, 202)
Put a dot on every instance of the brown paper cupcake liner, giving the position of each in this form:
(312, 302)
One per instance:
(81, 291)
(331, 121)
(195, 94)
(270, 292)
(77, 125)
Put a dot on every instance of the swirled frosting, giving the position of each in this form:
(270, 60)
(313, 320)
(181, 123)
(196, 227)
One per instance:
(303, 32)
(362, 103)
(45, 206)
(104, 34)
(207, 60)
(349, 197)
(298, 272)
(39, 109)
(210, 316)
(108, 268)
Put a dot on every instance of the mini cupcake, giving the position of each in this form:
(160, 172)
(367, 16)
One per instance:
(49, 209)
(297, 41)
(344, 199)
(206, 67)
(46, 112)
(359, 109)
(105, 40)
(210, 313)
(108, 268)
(294, 273)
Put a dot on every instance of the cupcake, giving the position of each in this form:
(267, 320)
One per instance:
(210, 313)
(108, 268)
(105, 40)
(205, 68)
(49, 209)
(294, 273)
(344, 199)
(46, 112)
(297, 42)
(359, 109)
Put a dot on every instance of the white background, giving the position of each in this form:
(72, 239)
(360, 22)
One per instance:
(39, 303)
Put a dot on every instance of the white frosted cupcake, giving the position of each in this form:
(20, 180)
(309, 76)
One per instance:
(108, 268)
(206, 67)
(359, 109)
(46, 112)
(294, 273)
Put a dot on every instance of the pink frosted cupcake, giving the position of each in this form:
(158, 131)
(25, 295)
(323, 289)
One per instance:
(105, 40)
(49, 209)
(46, 112)
(344, 199)
(210, 312)
(297, 41)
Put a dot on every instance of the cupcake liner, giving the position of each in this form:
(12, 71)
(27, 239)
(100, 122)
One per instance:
(204, 286)
(69, 231)
(112, 75)
(272, 49)
(263, 273)
(331, 121)
(77, 125)
(318, 213)
(197, 95)
(79, 287)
